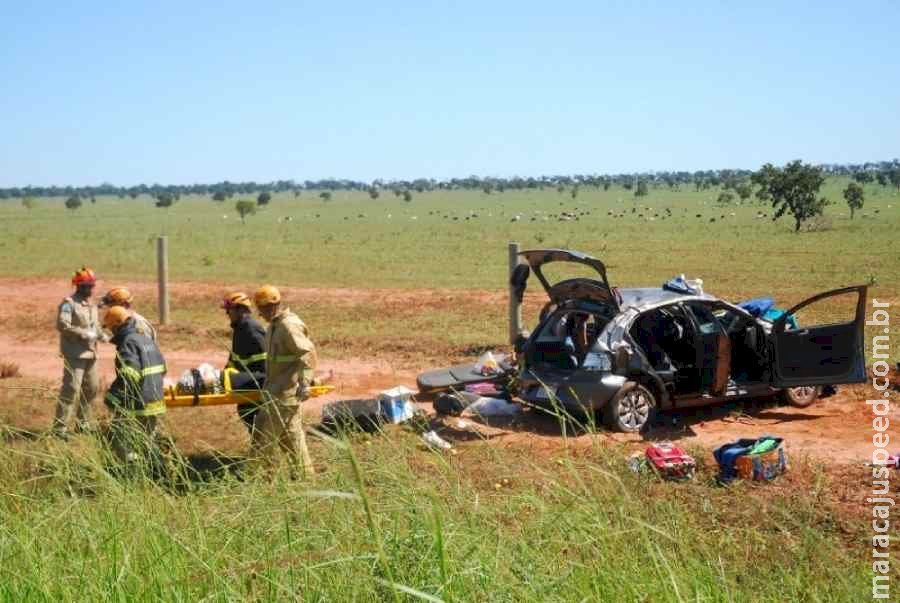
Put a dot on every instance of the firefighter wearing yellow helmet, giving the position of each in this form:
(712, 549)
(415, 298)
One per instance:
(290, 363)
(248, 351)
(135, 398)
(120, 296)
(79, 329)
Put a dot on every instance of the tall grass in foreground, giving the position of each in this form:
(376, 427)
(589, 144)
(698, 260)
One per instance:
(388, 520)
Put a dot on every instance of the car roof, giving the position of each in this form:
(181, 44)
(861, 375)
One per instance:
(645, 297)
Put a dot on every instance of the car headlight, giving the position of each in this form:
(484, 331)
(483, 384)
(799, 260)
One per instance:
(597, 361)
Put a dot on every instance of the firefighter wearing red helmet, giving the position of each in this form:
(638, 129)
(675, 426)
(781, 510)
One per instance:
(79, 329)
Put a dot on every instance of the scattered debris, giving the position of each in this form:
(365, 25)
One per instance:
(433, 440)
(395, 405)
(493, 407)
(670, 462)
(760, 459)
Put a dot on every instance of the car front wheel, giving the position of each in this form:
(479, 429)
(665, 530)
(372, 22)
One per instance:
(802, 396)
(630, 411)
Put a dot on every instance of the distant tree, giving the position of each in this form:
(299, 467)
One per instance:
(628, 185)
(133, 194)
(853, 194)
(792, 189)
(244, 208)
(296, 193)
(28, 202)
(325, 195)
(93, 199)
(218, 196)
(407, 196)
(574, 192)
(641, 190)
(374, 193)
(165, 200)
(882, 178)
(560, 189)
(864, 177)
(487, 188)
(264, 198)
(725, 198)
(894, 177)
(606, 185)
(744, 191)
(73, 202)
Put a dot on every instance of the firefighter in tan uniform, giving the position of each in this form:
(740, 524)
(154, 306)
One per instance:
(290, 363)
(120, 296)
(79, 329)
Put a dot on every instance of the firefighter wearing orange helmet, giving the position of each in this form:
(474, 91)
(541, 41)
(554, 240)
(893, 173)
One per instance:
(120, 296)
(248, 351)
(136, 397)
(290, 364)
(78, 324)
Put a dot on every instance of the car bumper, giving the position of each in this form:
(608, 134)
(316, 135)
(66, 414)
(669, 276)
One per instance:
(583, 395)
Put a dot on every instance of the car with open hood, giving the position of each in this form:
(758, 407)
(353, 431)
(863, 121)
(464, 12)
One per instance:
(629, 352)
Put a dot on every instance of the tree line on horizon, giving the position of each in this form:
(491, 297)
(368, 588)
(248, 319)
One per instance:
(884, 173)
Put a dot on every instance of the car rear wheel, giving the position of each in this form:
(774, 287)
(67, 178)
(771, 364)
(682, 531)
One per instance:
(802, 396)
(630, 411)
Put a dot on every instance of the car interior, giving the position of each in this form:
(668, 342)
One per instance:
(565, 340)
(669, 343)
(672, 343)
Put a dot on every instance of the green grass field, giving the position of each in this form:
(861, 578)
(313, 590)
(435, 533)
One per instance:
(355, 242)
(387, 520)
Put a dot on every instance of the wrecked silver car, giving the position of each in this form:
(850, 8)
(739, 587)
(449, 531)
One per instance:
(631, 352)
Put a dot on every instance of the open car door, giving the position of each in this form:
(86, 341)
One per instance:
(822, 354)
(594, 289)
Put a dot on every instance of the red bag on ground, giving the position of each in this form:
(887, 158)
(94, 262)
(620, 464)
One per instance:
(670, 461)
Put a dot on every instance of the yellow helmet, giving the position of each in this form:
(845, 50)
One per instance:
(115, 317)
(266, 296)
(119, 296)
(238, 298)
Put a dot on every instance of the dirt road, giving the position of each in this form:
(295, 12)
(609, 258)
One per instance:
(837, 429)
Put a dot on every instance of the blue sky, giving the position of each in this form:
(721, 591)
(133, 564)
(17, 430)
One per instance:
(201, 92)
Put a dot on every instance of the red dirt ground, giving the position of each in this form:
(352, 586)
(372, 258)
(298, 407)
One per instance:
(836, 429)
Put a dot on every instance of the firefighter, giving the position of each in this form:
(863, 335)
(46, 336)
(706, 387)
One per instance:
(120, 296)
(135, 398)
(248, 351)
(290, 363)
(79, 329)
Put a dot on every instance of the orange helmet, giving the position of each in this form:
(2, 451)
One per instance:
(233, 300)
(85, 276)
(266, 296)
(118, 296)
(115, 317)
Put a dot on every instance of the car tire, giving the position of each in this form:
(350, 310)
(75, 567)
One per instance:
(801, 397)
(631, 410)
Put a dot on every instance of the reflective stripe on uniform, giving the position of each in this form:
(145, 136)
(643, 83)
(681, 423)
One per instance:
(130, 373)
(154, 370)
(151, 409)
(248, 359)
(288, 358)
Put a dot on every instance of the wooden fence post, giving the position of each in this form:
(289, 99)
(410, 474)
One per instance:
(162, 274)
(515, 308)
